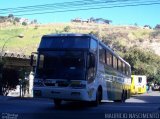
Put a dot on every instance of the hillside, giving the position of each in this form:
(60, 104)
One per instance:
(137, 45)
(118, 37)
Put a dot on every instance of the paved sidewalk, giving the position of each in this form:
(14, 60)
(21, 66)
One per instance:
(5, 98)
(145, 98)
(9, 98)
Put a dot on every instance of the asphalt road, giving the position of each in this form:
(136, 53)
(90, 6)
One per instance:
(26, 108)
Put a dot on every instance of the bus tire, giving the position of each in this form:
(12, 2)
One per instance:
(122, 99)
(98, 97)
(57, 102)
(124, 96)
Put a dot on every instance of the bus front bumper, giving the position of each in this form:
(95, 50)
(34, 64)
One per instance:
(62, 93)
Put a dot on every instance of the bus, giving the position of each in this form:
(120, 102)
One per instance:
(79, 67)
(138, 84)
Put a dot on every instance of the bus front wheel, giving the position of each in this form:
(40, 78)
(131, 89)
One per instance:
(98, 97)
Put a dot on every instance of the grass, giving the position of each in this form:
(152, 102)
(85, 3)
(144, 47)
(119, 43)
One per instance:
(33, 33)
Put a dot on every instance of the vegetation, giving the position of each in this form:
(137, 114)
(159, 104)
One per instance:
(67, 29)
(16, 20)
(24, 23)
(9, 80)
(144, 62)
(139, 46)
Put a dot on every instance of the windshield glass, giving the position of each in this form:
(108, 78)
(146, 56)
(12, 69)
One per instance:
(65, 42)
(61, 65)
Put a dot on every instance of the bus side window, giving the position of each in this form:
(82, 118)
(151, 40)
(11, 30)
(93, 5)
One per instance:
(127, 70)
(101, 54)
(124, 69)
(91, 67)
(114, 62)
(93, 45)
(139, 79)
(119, 65)
(109, 58)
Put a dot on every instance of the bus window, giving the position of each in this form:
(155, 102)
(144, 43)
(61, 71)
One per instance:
(127, 70)
(93, 45)
(109, 59)
(139, 79)
(119, 65)
(101, 54)
(40, 65)
(124, 71)
(41, 61)
(114, 62)
(91, 68)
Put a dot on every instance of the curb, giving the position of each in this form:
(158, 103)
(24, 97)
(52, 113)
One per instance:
(4, 98)
(8, 98)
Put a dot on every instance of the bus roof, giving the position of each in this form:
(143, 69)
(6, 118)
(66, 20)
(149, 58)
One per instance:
(66, 34)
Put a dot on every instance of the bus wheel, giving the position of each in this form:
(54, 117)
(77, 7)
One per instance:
(123, 98)
(98, 97)
(57, 102)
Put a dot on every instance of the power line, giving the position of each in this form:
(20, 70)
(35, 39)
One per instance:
(90, 8)
(44, 7)
(48, 5)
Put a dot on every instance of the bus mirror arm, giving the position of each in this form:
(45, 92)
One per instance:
(91, 61)
(32, 58)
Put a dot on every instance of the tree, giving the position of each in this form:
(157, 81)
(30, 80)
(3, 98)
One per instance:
(95, 33)
(143, 63)
(67, 29)
(24, 23)
(9, 80)
(157, 26)
(10, 16)
(135, 24)
(17, 19)
(1, 67)
(35, 21)
(147, 26)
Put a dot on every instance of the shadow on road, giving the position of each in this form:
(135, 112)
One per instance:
(79, 106)
(152, 97)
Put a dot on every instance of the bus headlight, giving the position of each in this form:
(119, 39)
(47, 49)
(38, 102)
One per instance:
(78, 84)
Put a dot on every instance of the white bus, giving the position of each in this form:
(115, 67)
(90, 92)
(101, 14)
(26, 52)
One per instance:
(79, 67)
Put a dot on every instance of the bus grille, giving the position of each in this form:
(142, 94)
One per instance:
(57, 84)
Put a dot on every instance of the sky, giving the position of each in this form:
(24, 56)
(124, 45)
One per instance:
(141, 15)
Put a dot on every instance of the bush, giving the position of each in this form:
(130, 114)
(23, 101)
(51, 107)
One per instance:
(9, 80)
(141, 39)
(67, 29)
(157, 26)
(143, 62)
(36, 27)
(24, 23)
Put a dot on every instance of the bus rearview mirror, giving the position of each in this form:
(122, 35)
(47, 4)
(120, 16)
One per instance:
(31, 60)
(91, 60)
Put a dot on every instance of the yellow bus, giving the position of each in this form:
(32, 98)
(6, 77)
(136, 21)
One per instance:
(138, 84)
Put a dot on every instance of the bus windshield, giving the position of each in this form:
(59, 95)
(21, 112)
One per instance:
(65, 42)
(68, 65)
